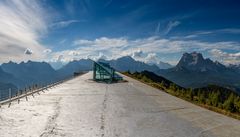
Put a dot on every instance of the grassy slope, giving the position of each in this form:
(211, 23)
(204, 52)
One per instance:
(212, 97)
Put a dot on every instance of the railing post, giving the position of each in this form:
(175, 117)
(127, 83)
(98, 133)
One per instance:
(0, 97)
(10, 94)
(18, 94)
(26, 93)
(32, 90)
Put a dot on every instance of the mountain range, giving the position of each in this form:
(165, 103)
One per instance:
(75, 66)
(127, 63)
(30, 72)
(193, 70)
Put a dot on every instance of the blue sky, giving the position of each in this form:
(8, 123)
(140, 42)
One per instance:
(150, 31)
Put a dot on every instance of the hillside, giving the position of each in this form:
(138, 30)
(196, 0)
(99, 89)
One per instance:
(213, 97)
(148, 76)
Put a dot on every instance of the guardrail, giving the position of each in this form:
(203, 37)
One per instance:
(14, 95)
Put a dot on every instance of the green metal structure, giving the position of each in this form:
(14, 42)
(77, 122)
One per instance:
(104, 72)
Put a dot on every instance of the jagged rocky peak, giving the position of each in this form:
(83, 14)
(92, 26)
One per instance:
(189, 59)
(11, 62)
(195, 61)
(126, 58)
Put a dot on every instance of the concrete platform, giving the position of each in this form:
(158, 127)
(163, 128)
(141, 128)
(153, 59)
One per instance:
(83, 108)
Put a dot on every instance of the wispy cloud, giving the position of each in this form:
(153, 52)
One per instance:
(62, 24)
(22, 24)
(108, 3)
(171, 25)
(229, 30)
(210, 32)
(157, 30)
(62, 41)
(102, 43)
(228, 58)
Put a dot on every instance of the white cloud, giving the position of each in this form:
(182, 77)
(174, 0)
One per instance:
(171, 25)
(152, 58)
(144, 49)
(62, 24)
(74, 53)
(100, 56)
(212, 32)
(160, 45)
(83, 42)
(47, 51)
(102, 43)
(60, 58)
(22, 24)
(226, 58)
(230, 30)
(137, 54)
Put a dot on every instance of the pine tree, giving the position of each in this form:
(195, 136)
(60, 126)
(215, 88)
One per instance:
(229, 103)
(215, 98)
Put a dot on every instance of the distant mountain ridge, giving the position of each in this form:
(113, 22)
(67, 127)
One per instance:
(195, 71)
(195, 62)
(127, 63)
(164, 65)
(7, 80)
(30, 72)
(75, 66)
(191, 71)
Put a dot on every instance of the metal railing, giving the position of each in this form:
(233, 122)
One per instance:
(12, 94)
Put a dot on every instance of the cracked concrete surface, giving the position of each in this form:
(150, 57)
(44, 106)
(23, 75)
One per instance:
(83, 108)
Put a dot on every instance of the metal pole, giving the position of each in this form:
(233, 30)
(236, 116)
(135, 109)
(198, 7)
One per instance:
(0, 96)
(18, 92)
(10, 93)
